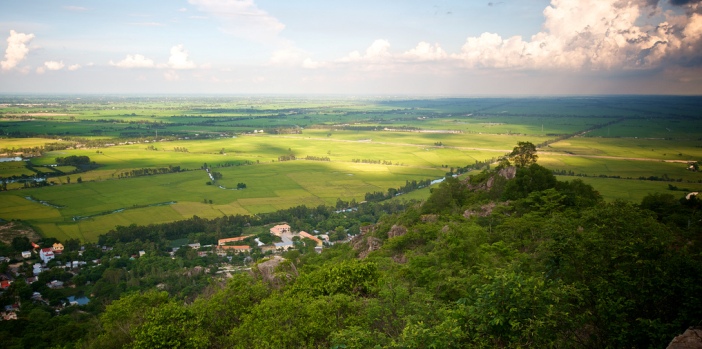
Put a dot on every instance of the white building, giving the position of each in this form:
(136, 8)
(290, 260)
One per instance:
(46, 254)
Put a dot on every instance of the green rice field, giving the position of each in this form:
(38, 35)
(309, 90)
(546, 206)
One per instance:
(332, 148)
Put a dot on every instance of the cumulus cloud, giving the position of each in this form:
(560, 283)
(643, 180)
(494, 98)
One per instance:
(590, 35)
(377, 52)
(425, 51)
(242, 18)
(53, 65)
(577, 35)
(74, 67)
(134, 61)
(179, 58)
(17, 49)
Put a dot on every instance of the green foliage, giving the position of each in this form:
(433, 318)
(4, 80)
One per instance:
(529, 179)
(227, 306)
(510, 309)
(524, 154)
(295, 321)
(169, 326)
(350, 277)
(450, 195)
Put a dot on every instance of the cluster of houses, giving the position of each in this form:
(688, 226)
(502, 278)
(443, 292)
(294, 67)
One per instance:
(283, 231)
(45, 255)
(224, 247)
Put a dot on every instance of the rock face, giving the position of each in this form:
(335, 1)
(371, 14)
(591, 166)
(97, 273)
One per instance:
(276, 271)
(365, 245)
(507, 172)
(691, 339)
(396, 230)
(483, 211)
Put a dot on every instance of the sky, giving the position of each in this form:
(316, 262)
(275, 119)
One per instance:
(360, 47)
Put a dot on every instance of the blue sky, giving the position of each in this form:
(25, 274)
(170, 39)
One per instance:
(442, 47)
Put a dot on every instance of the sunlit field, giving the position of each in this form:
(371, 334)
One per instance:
(291, 152)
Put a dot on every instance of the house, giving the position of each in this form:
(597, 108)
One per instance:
(5, 284)
(236, 248)
(202, 253)
(55, 284)
(46, 254)
(285, 245)
(37, 269)
(58, 248)
(26, 254)
(222, 242)
(141, 253)
(265, 249)
(280, 229)
(31, 280)
(195, 245)
(77, 264)
(72, 300)
(306, 235)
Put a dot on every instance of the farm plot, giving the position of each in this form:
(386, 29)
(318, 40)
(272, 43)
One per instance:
(91, 208)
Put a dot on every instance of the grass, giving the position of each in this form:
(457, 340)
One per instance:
(269, 187)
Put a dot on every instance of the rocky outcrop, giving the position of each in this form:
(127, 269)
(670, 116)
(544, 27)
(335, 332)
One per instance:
(396, 230)
(482, 211)
(429, 218)
(276, 271)
(365, 245)
(507, 173)
(691, 339)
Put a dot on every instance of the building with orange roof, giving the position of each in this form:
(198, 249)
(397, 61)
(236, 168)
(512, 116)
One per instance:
(280, 229)
(306, 235)
(222, 242)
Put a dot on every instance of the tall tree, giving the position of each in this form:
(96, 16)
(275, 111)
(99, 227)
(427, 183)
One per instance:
(524, 154)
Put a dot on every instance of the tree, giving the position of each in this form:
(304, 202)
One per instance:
(524, 154)
(21, 243)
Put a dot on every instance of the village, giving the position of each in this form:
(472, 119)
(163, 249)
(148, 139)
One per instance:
(55, 276)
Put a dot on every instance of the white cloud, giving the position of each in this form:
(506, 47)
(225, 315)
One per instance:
(74, 67)
(242, 18)
(41, 70)
(577, 35)
(179, 58)
(17, 49)
(377, 52)
(182, 9)
(587, 35)
(53, 65)
(426, 52)
(134, 61)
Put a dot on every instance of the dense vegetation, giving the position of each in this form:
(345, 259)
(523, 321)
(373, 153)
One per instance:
(510, 258)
